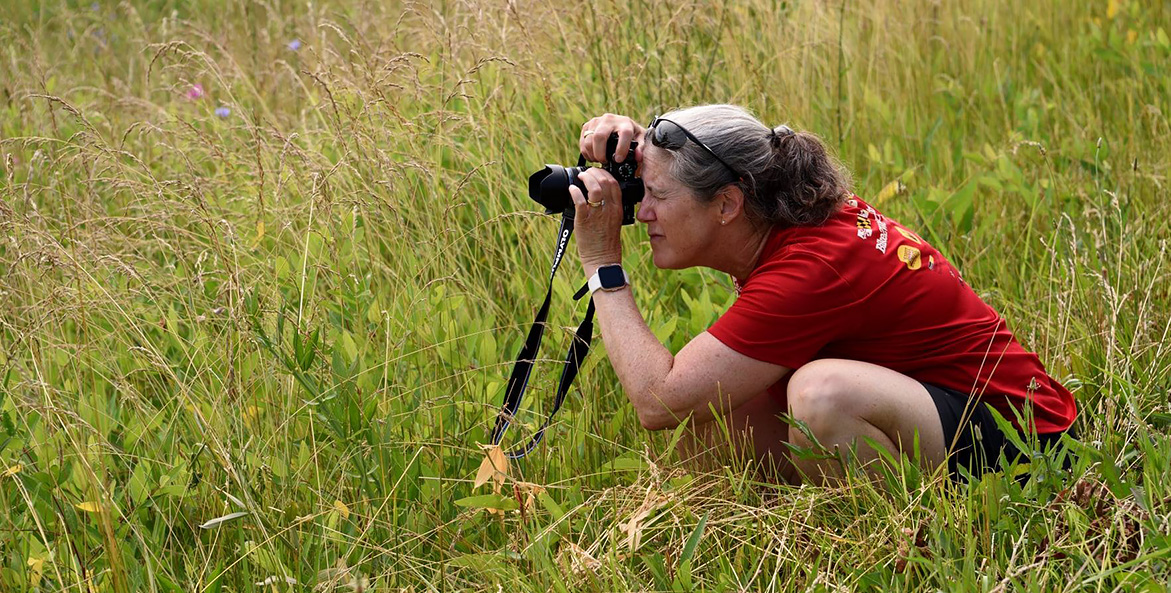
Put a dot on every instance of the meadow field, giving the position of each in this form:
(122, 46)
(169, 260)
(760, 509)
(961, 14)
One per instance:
(264, 267)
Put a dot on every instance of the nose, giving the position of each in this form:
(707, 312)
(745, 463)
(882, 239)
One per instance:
(645, 213)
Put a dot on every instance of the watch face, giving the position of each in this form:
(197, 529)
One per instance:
(611, 276)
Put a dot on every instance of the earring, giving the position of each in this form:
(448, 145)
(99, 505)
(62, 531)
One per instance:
(723, 222)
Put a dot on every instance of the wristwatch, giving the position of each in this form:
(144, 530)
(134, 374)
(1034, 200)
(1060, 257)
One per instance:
(609, 278)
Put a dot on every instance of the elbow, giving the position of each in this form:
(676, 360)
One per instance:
(657, 419)
(658, 407)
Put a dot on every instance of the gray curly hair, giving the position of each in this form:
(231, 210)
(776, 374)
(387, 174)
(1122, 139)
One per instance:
(789, 177)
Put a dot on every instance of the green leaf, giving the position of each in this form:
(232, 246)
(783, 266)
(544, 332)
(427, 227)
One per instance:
(348, 346)
(174, 482)
(308, 351)
(1159, 419)
(692, 541)
(664, 331)
(480, 561)
(488, 501)
(217, 582)
(676, 435)
(487, 348)
(298, 344)
(281, 267)
(551, 505)
(140, 483)
(960, 204)
(654, 563)
(625, 464)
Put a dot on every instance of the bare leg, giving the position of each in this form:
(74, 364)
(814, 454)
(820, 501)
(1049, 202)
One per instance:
(755, 429)
(843, 400)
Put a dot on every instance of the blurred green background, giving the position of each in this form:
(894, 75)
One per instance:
(264, 268)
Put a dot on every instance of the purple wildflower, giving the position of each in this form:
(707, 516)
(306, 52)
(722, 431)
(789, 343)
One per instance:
(195, 92)
(223, 111)
(295, 44)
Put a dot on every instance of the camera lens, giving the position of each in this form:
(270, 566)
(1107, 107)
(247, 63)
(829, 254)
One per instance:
(549, 187)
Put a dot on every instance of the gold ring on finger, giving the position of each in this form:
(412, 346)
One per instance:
(596, 204)
(587, 133)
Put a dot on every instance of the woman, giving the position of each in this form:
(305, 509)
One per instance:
(844, 318)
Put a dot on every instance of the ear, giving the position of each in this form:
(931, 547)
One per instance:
(731, 203)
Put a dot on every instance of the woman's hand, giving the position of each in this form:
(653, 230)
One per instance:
(595, 132)
(598, 221)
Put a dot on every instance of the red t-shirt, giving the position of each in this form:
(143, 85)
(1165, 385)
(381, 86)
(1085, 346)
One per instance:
(863, 287)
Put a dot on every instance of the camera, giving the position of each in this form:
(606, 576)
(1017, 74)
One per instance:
(549, 187)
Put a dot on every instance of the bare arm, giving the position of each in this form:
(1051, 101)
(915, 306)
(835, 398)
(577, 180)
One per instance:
(665, 389)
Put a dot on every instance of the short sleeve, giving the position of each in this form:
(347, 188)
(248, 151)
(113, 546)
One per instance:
(788, 310)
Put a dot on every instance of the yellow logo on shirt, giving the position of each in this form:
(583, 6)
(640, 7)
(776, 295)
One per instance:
(910, 235)
(863, 223)
(910, 256)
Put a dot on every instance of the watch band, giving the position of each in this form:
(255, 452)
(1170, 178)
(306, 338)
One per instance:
(595, 281)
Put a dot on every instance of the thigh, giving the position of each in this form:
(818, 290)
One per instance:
(840, 391)
(755, 428)
(761, 420)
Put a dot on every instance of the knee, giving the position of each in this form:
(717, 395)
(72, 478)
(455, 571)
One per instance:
(819, 396)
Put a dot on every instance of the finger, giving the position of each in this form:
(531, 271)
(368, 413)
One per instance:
(599, 137)
(640, 138)
(611, 190)
(579, 199)
(625, 135)
(580, 207)
(608, 186)
(584, 144)
(597, 192)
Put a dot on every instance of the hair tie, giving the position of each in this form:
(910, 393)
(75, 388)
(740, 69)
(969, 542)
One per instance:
(776, 134)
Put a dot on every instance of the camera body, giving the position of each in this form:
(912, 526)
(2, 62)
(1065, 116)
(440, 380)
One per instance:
(549, 187)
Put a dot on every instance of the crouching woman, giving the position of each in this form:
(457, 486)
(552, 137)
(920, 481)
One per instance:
(844, 318)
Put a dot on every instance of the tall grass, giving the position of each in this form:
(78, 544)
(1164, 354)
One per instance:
(304, 310)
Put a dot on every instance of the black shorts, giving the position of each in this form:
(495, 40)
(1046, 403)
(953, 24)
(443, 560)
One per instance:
(978, 447)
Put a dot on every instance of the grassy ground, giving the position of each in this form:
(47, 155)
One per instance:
(297, 315)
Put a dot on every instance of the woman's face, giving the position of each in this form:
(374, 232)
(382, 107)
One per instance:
(681, 228)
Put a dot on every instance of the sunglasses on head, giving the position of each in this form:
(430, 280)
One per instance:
(667, 134)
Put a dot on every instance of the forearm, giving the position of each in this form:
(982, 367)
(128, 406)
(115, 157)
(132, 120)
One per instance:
(642, 363)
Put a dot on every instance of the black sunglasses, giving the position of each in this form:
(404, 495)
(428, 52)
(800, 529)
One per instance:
(667, 134)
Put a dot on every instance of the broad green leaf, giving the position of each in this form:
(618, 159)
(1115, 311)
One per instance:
(348, 345)
(693, 541)
(625, 464)
(281, 267)
(488, 501)
(663, 331)
(140, 482)
(551, 505)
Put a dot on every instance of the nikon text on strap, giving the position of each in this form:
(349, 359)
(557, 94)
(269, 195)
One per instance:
(578, 349)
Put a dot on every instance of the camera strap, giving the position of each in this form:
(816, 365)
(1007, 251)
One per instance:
(578, 349)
